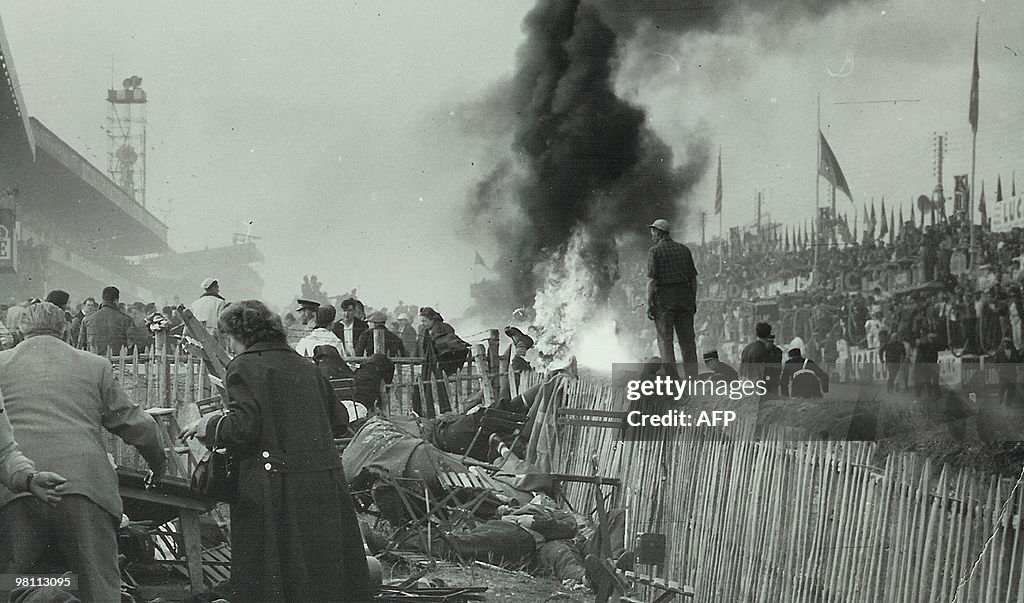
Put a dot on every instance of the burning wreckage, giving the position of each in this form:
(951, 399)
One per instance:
(477, 486)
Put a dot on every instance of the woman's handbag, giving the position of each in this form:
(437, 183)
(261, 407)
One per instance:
(215, 477)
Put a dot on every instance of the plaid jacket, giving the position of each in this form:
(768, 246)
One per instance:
(670, 263)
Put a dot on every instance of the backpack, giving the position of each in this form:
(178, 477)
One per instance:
(805, 383)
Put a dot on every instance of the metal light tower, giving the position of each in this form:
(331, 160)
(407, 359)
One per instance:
(941, 142)
(126, 129)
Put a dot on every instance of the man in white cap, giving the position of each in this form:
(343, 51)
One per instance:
(672, 298)
(407, 334)
(210, 304)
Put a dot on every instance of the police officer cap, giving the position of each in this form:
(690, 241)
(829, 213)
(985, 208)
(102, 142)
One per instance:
(307, 304)
(711, 354)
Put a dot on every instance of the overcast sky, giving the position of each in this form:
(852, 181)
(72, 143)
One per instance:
(335, 126)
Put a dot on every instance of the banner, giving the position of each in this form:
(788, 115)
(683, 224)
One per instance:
(1008, 214)
(960, 193)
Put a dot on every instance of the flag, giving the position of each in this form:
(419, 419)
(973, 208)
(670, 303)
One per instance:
(981, 203)
(999, 188)
(884, 230)
(829, 167)
(718, 187)
(480, 261)
(892, 227)
(973, 114)
(844, 223)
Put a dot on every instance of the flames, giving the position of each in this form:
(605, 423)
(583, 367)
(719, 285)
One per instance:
(573, 313)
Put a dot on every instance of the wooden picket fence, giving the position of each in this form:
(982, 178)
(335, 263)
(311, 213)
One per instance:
(778, 518)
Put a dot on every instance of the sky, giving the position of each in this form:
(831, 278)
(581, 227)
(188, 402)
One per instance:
(338, 128)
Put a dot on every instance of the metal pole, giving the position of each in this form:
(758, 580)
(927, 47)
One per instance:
(817, 192)
(974, 148)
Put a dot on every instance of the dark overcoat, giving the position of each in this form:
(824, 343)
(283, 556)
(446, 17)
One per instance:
(294, 535)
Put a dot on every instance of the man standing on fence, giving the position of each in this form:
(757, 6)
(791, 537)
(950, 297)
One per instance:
(58, 399)
(108, 328)
(672, 298)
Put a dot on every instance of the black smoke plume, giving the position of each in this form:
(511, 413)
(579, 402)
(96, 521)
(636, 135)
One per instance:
(583, 159)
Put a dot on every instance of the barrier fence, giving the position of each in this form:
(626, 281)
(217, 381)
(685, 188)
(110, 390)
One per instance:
(783, 520)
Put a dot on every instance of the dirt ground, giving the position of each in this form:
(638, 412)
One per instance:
(503, 586)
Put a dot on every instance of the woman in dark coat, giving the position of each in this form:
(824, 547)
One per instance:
(443, 355)
(294, 535)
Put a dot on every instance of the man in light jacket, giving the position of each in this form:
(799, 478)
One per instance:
(59, 400)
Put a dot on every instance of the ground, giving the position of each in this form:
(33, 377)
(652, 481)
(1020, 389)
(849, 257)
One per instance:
(503, 586)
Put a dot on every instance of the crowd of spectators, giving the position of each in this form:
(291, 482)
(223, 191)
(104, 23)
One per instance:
(970, 311)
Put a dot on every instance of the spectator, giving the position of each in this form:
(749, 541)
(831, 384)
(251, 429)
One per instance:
(926, 367)
(208, 307)
(802, 377)
(408, 334)
(892, 353)
(393, 346)
(306, 321)
(108, 329)
(294, 534)
(350, 326)
(444, 354)
(754, 357)
(1007, 362)
(58, 399)
(720, 371)
(321, 334)
(671, 298)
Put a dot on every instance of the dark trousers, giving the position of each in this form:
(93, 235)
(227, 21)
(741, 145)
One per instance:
(80, 529)
(677, 322)
(927, 379)
(892, 370)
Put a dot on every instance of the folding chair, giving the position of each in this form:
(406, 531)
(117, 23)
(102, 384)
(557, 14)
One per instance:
(497, 421)
(468, 492)
(417, 507)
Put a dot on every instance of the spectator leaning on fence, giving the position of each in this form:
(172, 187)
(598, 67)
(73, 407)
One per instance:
(59, 400)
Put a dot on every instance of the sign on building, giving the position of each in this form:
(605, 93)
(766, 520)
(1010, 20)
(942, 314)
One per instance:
(8, 241)
(1008, 214)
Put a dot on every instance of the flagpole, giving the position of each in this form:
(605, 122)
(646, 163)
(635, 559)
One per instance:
(974, 149)
(817, 191)
(720, 212)
(721, 243)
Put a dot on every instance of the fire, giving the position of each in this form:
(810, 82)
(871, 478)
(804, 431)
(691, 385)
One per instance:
(572, 313)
